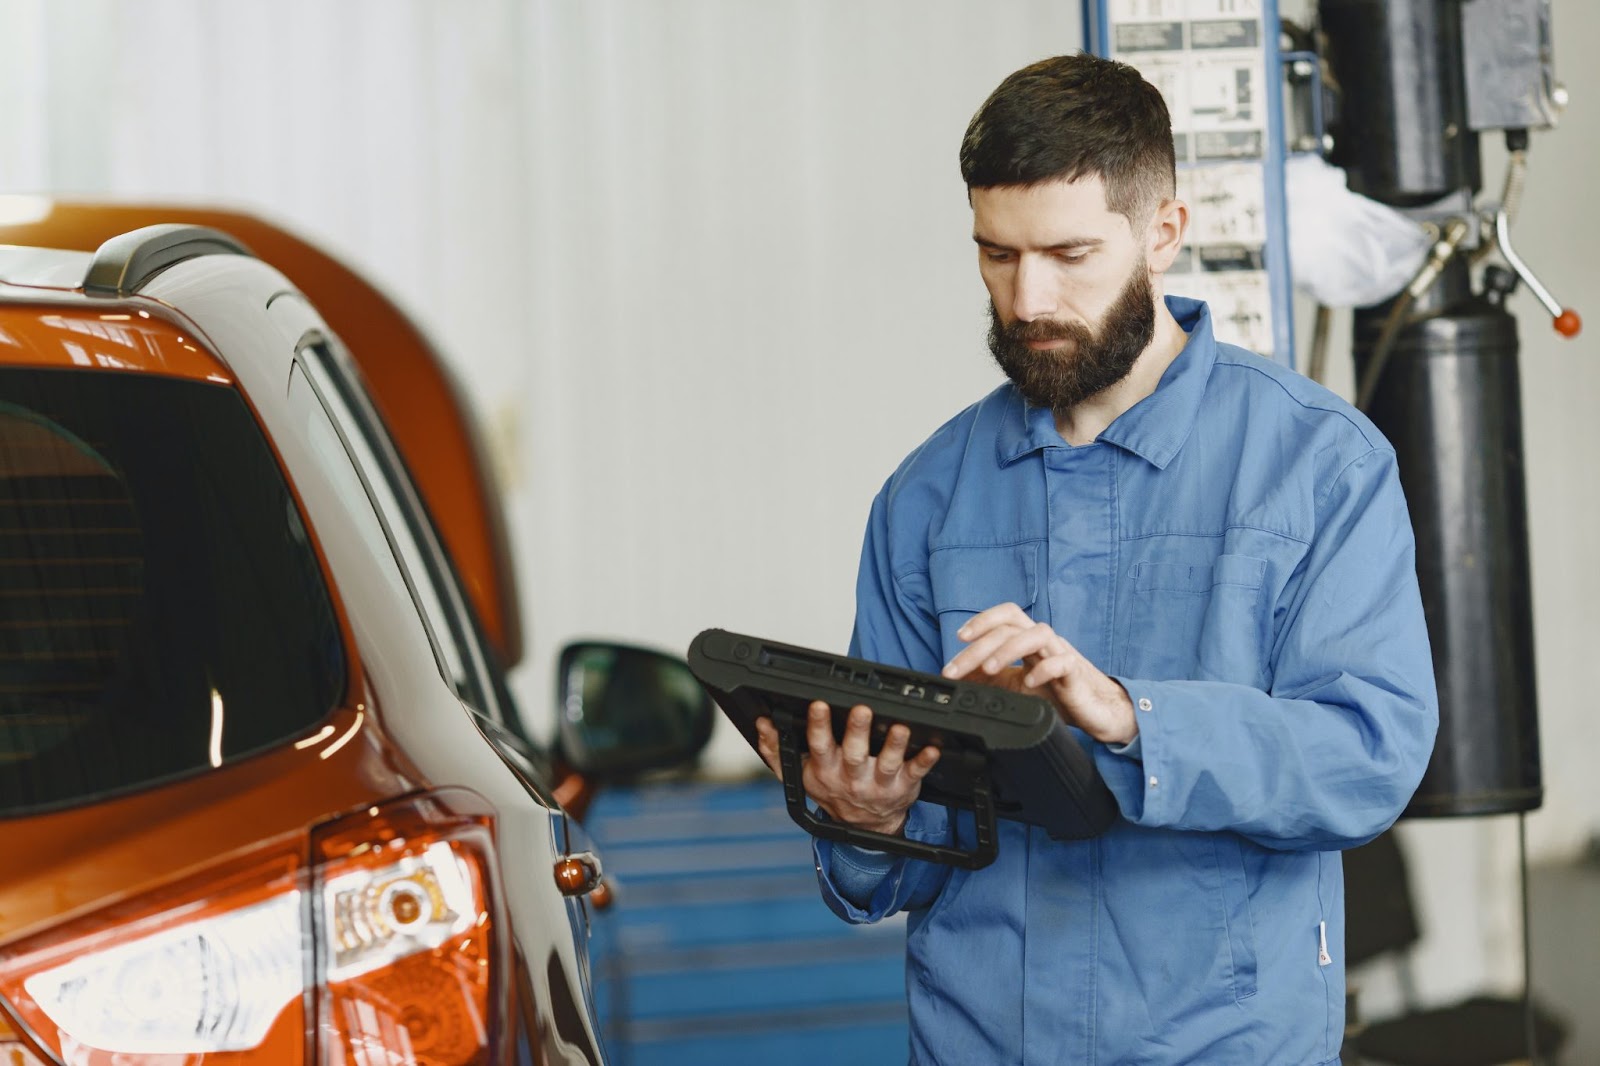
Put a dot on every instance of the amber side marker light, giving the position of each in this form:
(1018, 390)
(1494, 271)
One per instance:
(384, 946)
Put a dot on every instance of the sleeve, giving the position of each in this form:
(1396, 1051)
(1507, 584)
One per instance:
(1330, 755)
(893, 625)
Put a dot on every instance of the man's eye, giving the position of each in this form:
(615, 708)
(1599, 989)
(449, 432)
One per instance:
(1072, 257)
(997, 257)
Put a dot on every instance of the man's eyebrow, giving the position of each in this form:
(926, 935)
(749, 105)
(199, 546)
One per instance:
(1061, 246)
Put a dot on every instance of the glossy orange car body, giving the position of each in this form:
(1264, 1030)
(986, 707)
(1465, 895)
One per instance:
(462, 875)
(90, 851)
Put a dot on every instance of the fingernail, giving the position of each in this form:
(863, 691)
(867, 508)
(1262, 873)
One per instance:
(949, 671)
(990, 667)
(963, 632)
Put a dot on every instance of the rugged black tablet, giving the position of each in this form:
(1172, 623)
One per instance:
(1002, 755)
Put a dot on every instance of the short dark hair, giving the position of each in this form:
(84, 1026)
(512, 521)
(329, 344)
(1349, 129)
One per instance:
(1070, 117)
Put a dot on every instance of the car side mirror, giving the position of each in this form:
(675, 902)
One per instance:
(625, 710)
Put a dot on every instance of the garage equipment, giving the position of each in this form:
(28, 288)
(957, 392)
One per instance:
(1414, 85)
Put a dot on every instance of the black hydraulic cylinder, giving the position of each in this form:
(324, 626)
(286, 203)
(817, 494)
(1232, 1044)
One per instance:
(1450, 403)
(1402, 132)
(1449, 400)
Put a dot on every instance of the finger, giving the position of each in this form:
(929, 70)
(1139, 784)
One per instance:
(918, 767)
(767, 743)
(1052, 668)
(1001, 614)
(893, 752)
(819, 731)
(1037, 641)
(975, 654)
(857, 737)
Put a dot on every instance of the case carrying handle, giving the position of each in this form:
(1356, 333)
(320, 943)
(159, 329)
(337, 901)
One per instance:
(790, 733)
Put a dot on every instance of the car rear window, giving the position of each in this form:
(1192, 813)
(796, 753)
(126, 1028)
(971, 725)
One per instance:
(161, 608)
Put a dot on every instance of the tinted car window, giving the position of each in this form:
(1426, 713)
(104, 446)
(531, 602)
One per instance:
(161, 607)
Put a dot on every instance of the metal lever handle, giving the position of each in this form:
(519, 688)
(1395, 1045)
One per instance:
(1567, 322)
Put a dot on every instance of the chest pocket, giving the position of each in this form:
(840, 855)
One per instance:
(1202, 621)
(968, 580)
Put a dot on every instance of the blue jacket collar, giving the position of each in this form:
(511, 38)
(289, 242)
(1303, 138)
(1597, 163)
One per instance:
(1155, 427)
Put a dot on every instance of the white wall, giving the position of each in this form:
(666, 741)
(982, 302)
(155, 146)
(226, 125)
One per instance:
(705, 268)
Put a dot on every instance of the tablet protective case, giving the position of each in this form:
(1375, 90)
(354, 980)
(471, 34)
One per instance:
(1002, 754)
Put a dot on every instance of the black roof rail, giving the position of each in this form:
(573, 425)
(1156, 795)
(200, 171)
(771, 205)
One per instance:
(123, 264)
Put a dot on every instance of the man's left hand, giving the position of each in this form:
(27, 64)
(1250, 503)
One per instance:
(1051, 668)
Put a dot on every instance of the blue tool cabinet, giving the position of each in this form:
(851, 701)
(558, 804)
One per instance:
(719, 947)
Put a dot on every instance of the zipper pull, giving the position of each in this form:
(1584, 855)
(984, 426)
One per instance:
(1323, 958)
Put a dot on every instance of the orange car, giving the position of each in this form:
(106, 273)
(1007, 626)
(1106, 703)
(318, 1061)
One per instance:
(264, 796)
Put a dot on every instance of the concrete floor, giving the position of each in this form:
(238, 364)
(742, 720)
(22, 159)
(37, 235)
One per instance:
(1564, 901)
(1565, 925)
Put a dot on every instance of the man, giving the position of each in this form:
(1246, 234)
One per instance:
(1204, 561)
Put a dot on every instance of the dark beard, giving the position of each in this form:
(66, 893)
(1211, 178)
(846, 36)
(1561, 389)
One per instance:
(1089, 363)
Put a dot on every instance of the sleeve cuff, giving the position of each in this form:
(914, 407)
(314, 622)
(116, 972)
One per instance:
(1133, 770)
(1133, 749)
(861, 861)
(860, 885)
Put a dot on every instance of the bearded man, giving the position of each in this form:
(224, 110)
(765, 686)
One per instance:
(1204, 561)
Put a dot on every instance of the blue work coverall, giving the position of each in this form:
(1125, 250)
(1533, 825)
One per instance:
(1235, 550)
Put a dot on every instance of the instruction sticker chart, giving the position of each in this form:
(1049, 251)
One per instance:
(1208, 58)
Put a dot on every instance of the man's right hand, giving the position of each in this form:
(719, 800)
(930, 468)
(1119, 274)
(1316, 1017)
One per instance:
(846, 780)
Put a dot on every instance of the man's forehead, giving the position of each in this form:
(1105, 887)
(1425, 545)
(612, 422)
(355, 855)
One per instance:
(1049, 214)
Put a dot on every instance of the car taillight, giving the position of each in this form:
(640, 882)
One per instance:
(213, 984)
(383, 950)
(409, 945)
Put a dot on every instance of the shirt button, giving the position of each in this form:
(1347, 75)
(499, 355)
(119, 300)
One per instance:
(1144, 704)
(1154, 782)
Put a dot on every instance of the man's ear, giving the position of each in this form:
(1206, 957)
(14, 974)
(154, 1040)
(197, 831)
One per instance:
(1164, 236)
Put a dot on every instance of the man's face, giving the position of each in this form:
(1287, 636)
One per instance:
(1071, 302)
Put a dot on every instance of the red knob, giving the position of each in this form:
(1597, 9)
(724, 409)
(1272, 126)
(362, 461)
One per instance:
(1568, 323)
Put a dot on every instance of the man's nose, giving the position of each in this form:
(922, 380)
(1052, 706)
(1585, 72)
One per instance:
(1035, 295)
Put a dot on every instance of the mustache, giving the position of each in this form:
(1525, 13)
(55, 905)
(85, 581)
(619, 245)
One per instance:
(1044, 329)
